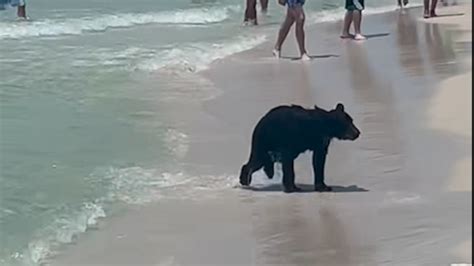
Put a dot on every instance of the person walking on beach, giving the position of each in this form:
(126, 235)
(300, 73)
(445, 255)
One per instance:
(251, 11)
(353, 14)
(294, 14)
(430, 10)
(20, 4)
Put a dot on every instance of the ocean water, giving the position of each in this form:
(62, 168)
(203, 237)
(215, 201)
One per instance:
(81, 133)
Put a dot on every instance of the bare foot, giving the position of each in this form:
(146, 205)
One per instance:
(22, 19)
(305, 57)
(250, 22)
(347, 36)
(276, 53)
(359, 37)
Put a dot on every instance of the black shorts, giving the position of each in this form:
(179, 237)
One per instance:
(352, 5)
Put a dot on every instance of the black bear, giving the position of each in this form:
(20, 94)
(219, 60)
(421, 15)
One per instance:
(287, 131)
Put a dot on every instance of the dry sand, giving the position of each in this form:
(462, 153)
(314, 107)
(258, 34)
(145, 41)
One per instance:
(401, 194)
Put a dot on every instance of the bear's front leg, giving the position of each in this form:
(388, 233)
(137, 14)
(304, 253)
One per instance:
(319, 161)
(289, 176)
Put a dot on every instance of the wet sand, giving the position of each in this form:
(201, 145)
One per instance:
(402, 191)
(451, 106)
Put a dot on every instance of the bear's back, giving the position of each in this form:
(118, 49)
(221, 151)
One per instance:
(288, 111)
(283, 116)
(284, 124)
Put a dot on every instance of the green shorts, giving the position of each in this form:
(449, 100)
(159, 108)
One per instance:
(352, 5)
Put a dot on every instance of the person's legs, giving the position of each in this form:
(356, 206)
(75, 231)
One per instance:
(246, 13)
(357, 16)
(402, 3)
(351, 6)
(264, 5)
(21, 11)
(355, 7)
(284, 29)
(251, 12)
(347, 24)
(21, 7)
(433, 8)
(300, 35)
(426, 7)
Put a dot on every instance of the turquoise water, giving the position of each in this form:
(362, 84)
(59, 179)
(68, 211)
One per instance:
(81, 132)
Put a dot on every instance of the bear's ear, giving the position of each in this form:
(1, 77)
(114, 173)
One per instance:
(340, 107)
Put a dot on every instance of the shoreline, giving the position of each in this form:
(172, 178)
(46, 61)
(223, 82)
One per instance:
(239, 227)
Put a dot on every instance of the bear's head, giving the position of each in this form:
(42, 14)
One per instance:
(342, 126)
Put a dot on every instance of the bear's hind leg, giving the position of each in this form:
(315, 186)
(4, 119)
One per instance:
(268, 166)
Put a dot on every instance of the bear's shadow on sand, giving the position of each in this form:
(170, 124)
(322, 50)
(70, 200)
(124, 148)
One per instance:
(306, 188)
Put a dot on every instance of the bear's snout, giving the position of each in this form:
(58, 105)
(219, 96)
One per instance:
(353, 133)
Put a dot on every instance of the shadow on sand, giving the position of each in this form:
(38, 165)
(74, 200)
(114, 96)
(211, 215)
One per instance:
(306, 188)
(376, 35)
(311, 56)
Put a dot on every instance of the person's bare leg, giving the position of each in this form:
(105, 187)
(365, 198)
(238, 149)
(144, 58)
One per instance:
(433, 8)
(247, 11)
(347, 24)
(426, 7)
(21, 11)
(357, 17)
(251, 12)
(300, 36)
(264, 5)
(284, 29)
